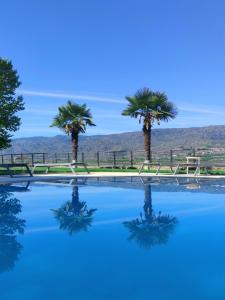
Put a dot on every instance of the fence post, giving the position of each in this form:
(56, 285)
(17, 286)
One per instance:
(171, 156)
(98, 160)
(12, 160)
(114, 159)
(194, 152)
(131, 159)
(82, 157)
(43, 158)
(56, 158)
(2, 159)
(32, 159)
(68, 157)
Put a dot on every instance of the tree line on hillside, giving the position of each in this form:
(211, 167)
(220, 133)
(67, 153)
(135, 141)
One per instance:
(147, 106)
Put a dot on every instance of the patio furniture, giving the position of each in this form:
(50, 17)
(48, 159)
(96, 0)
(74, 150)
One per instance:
(19, 165)
(193, 160)
(195, 166)
(158, 165)
(71, 166)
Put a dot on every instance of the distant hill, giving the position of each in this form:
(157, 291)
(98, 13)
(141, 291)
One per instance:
(211, 136)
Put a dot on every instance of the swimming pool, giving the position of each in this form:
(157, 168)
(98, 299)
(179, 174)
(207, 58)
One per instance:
(113, 239)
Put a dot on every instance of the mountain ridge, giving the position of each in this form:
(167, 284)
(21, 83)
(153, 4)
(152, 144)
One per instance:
(210, 136)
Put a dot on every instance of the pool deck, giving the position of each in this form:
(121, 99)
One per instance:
(52, 177)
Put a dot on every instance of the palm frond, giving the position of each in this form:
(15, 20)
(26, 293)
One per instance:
(73, 117)
(150, 106)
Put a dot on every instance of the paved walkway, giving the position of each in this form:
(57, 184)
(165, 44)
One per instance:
(52, 177)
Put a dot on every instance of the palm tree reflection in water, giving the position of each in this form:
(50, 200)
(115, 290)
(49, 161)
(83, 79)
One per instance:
(10, 225)
(74, 216)
(151, 229)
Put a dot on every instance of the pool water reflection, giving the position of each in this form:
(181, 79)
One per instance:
(74, 216)
(149, 228)
(113, 239)
(10, 226)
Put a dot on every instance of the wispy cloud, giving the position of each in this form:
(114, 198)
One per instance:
(40, 111)
(185, 107)
(202, 110)
(38, 129)
(45, 130)
(70, 96)
(56, 228)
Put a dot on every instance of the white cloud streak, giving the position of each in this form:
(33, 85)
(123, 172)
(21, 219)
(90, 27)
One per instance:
(70, 96)
(56, 228)
(40, 111)
(182, 107)
(201, 110)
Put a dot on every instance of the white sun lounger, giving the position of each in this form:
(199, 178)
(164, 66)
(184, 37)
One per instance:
(71, 166)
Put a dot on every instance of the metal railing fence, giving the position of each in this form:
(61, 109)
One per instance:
(117, 158)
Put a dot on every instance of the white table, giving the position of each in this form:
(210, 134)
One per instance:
(193, 160)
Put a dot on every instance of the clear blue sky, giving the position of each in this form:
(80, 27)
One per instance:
(98, 51)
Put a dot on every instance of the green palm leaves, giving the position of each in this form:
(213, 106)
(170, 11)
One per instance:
(73, 117)
(146, 105)
(149, 107)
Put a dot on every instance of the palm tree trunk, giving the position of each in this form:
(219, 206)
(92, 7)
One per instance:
(147, 132)
(74, 140)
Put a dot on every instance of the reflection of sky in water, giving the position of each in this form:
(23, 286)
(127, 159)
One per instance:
(54, 264)
(118, 204)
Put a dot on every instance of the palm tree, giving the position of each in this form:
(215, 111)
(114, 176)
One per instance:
(74, 216)
(150, 107)
(150, 229)
(73, 119)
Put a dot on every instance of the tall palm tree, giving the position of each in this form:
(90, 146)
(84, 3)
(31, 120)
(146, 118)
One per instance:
(73, 119)
(149, 107)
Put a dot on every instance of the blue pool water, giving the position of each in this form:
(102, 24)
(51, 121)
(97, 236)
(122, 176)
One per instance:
(113, 239)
